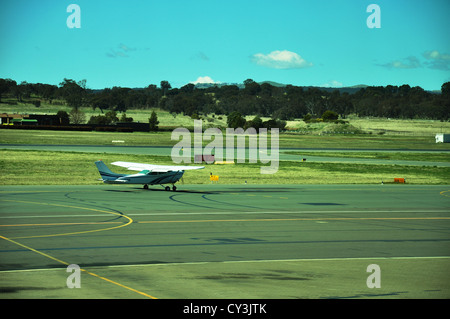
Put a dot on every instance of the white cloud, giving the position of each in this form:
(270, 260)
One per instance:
(332, 84)
(121, 51)
(204, 79)
(200, 56)
(437, 60)
(281, 60)
(436, 55)
(433, 60)
(126, 48)
(410, 62)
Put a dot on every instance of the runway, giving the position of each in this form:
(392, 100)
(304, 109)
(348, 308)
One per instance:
(219, 241)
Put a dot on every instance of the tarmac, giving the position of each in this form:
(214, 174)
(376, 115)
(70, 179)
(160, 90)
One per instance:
(225, 241)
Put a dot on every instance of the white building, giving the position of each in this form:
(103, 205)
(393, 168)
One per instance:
(442, 138)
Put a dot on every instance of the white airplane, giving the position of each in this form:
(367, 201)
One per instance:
(148, 174)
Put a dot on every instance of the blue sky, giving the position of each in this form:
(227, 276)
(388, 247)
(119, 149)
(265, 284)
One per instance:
(135, 43)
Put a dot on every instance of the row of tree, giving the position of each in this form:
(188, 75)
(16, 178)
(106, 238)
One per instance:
(109, 118)
(250, 98)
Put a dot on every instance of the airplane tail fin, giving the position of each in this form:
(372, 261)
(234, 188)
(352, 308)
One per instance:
(105, 172)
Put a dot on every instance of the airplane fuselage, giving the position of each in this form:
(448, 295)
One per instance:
(146, 178)
(149, 174)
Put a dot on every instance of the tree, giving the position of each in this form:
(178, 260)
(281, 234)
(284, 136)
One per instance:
(126, 119)
(251, 87)
(111, 116)
(36, 103)
(329, 116)
(63, 117)
(256, 123)
(76, 116)
(103, 101)
(307, 118)
(165, 86)
(272, 123)
(98, 120)
(23, 90)
(445, 89)
(188, 88)
(235, 120)
(47, 91)
(74, 93)
(153, 122)
(6, 85)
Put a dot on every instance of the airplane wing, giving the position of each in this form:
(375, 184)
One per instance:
(155, 168)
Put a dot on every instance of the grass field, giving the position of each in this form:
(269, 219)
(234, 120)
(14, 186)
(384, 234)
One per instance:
(410, 127)
(62, 168)
(19, 167)
(165, 118)
(402, 156)
(286, 140)
(368, 125)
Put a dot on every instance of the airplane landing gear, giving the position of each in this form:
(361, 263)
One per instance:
(145, 186)
(167, 188)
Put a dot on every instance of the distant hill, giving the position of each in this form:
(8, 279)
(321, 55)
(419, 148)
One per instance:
(208, 85)
(350, 89)
(346, 89)
(276, 84)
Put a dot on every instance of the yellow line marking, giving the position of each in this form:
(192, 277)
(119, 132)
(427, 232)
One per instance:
(82, 232)
(291, 219)
(67, 264)
(26, 192)
(443, 193)
(76, 207)
(120, 285)
(34, 250)
(59, 224)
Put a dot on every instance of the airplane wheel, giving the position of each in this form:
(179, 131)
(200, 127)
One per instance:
(145, 186)
(174, 188)
(167, 188)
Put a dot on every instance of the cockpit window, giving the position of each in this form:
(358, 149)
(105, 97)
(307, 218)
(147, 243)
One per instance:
(148, 172)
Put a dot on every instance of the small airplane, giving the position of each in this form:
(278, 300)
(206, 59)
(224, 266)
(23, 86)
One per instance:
(148, 174)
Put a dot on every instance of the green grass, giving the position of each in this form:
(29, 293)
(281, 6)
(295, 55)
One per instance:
(403, 156)
(361, 142)
(409, 127)
(63, 168)
(286, 140)
(165, 118)
(374, 125)
(400, 126)
(19, 167)
(84, 138)
(397, 134)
